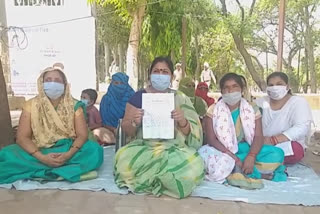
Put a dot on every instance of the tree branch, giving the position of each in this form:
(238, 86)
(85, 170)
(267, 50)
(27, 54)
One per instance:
(258, 63)
(242, 10)
(252, 7)
(224, 7)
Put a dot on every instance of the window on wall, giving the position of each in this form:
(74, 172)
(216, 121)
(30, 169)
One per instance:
(38, 2)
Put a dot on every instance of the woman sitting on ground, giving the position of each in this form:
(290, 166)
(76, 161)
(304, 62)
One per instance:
(202, 91)
(187, 86)
(52, 137)
(114, 102)
(171, 167)
(286, 119)
(235, 149)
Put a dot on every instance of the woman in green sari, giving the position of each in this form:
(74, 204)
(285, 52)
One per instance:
(235, 150)
(187, 86)
(52, 137)
(171, 167)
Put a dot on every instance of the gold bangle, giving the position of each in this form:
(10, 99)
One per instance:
(76, 147)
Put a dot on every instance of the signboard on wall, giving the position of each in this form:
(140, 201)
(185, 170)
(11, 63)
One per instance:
(50, 31)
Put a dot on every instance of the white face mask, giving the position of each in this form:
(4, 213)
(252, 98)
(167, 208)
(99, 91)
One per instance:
(277, 92)
(232, 98)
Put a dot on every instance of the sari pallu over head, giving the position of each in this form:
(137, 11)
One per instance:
(204, 94)
(113, 103)
(187, 87)
(49, 124)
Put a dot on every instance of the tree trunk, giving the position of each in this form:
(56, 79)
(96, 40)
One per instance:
(310, 47)
(4, 49)
(196, 42)
(133, 44)
(107, 61)
(306, 62)
(121, 57)
(184, 46)
(298, 72)
(6, 131)
(97, 61)
(115, 55)
(141, 75)
(172, 56)
(249, 63)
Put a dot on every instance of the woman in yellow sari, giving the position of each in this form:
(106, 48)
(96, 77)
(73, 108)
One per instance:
(52, 138)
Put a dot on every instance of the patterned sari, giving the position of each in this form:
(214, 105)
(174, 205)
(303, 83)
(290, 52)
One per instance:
(235, 130)
(170, 167)
(53, 131)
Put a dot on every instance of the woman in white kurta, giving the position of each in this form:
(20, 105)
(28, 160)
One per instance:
(286, 119)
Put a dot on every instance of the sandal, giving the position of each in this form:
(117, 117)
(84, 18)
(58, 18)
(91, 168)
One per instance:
(239, 179)
(316, 152)
(243, 182)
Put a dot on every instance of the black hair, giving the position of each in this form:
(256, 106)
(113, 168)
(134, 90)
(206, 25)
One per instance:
(164, 59)
(92, 94)
(282, 75)
(244, 81)
(231, 76)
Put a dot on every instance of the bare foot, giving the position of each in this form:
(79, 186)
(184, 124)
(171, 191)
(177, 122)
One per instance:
(267, 176)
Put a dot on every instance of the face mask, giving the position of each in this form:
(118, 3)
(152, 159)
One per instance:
(160, 82)
(85, 102)
(53, 90)
(231, 98)
(277, 92)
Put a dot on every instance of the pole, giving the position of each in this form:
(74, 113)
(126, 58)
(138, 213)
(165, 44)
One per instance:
(184, 45)
(281, 33)
(6, 131)
(97, 56)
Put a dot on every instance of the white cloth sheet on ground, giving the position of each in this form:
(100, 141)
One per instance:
(302, 187)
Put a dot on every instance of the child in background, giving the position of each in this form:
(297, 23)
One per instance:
(102, 135)
(89, 97)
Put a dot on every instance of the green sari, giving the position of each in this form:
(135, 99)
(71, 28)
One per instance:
(17, 164)
(186, 86)
(170, 167)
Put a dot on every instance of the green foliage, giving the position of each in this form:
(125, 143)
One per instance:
(257, 26)
(112, 28)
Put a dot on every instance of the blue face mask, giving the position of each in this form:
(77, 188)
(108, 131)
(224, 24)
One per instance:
(85, 102)
(53, 90)
(160, 82)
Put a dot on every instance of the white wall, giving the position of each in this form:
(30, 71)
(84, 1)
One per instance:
(71, 42)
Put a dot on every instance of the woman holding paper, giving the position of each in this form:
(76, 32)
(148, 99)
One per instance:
(286, 118)
(235, 150)
(161, 166)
